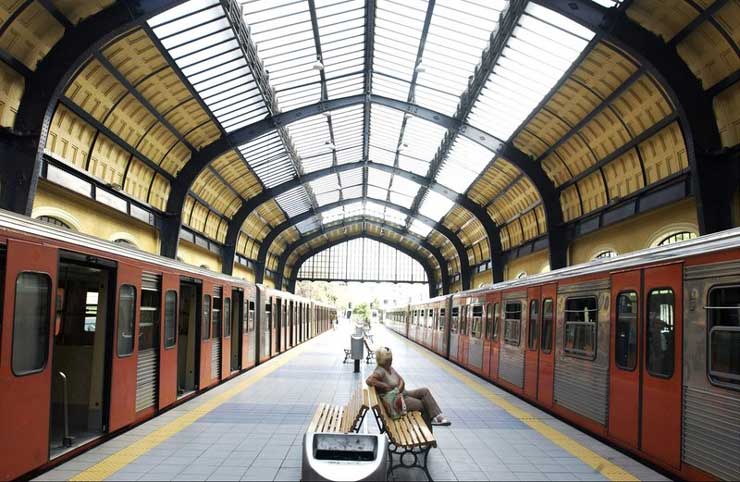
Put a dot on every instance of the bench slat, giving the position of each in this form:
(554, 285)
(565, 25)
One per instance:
(425, 430)
(316, 417)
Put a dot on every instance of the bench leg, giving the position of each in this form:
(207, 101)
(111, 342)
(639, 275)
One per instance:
(419, 457)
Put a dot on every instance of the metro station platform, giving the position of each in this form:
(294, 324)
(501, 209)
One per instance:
(251, 428)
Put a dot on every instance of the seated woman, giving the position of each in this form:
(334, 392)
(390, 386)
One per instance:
(385, 379)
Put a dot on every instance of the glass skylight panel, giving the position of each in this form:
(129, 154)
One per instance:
(420, 228)
(325, 184)
(322, 199)
(268, 159)
(395, 216)
(352, 192)
(404, 186)
(466, 160)
(376, 177)
(294, 202)
(342, 35)
(352, 177)
(310, 224)
(401, 199)
(348, 126)
(312, 141)
(414, 165)
(398, 28)
(200, 39)
(377, 193)
(334, 214)
(435, 205)
(458, 33)
(522, 77)
(283, 34)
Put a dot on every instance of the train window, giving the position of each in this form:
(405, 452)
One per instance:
(227, 316)
(464, 320)
(625, 337)
(496, 320)
(580, 326)
(217, 317)
(170, 319)
(477, 321)
(250, 320)
(441, 324)
(149, 318)
(205, 322)
(660, 333)
(512, 322)
(430, 318)
(31, 320)
(126, 311)
(547, 320)
(489, 321)
(455, 319)
(723, 317)
(534, 326)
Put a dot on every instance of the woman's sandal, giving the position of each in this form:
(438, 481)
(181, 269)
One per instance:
(441, 422)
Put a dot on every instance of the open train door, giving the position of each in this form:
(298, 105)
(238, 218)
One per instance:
(125, 347)
(662, 304)
(25, 368)
(168, 336)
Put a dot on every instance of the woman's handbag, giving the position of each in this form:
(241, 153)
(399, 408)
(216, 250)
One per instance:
(394, 403)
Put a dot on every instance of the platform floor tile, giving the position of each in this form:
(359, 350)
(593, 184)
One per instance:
(256, 433)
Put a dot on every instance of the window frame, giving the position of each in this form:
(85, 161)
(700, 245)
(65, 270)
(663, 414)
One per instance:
(206, 334)
(507, 340)
(532, 345)
(118, 321)
(576, 354)
(730, 385)
(647, 321)
(47, 323)
(489, 322)
(473, 316)
(551, 338)
(177, 310)
(496, 321)
(636, 326)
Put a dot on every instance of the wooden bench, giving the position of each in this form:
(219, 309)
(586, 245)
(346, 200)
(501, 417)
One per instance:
(341, 418)
(406, 435)
(370, 351)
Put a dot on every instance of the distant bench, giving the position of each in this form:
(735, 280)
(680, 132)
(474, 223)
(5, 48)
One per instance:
(407, 435)
(341, 418)
(368, 356)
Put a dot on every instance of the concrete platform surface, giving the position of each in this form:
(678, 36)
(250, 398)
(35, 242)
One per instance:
(251, 427)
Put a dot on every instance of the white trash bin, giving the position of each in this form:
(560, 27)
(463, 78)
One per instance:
(344, 456)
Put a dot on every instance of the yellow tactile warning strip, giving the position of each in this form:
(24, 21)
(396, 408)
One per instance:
(607, 469)
(108, 466)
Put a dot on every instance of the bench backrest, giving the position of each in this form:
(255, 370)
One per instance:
(355, 410)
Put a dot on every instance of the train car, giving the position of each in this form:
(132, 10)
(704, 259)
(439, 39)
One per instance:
(96, 337)
(642, 350)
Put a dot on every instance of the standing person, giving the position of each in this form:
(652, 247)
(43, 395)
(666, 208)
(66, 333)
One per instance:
(385, 378)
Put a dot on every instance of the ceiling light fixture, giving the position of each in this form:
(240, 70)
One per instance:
(318, 65)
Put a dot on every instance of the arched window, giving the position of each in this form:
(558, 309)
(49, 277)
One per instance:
(677, 237)
(521, 275)
(125, 242)
(55, 221)
(607, 253)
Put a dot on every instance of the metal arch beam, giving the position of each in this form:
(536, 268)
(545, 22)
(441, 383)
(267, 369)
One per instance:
(44, 86)
(200, 160)
(445, 231)
(237, 221)
(715, 172)
(399, 230)
(302, 259)
(275, 232)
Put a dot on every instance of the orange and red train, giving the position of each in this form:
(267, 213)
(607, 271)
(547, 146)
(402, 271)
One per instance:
(96, 337)
(642, 350)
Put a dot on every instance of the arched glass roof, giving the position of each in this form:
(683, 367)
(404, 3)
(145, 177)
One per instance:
(264, 57)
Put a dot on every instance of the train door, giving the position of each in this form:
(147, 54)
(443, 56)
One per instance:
(206, 349)
(487, 339)
(265, 341)
(123, 371)
(80, 352)
(188, 337)
(237, 329)
(532, 350)
(147, 352)
(475, 343)
(465, 318)
(496, 335)
(30, 272)
(249, 335)
(546, 372)
(454, 333)
(624, 380)
(168, 349)
(216, 334)
(277, 321)
(662, 310)
(226, 333)
(284, 328)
